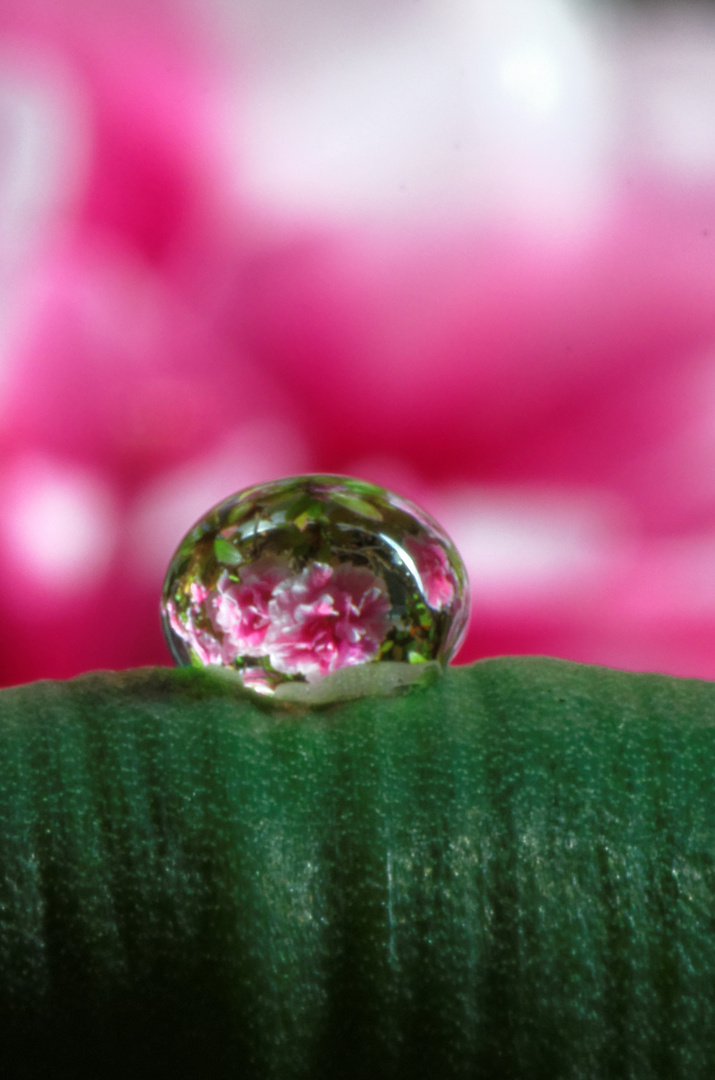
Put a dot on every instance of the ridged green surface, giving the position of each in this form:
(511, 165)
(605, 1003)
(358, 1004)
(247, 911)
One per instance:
(510, 874)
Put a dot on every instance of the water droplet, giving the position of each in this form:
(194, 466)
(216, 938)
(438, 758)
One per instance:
(295, 580)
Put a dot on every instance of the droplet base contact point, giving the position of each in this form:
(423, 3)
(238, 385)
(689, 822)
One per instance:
(314, 578)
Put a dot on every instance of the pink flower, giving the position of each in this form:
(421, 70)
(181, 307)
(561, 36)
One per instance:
(436, 574)
(206, 647)
(239, 610)
(174, 621)
(199, 593)
(326, 618)
(202, 642)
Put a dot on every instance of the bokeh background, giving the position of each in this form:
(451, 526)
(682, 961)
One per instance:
(464, 248)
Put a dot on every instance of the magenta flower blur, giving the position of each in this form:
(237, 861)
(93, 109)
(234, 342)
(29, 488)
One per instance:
(239, 610)
(326, 618)
(434, 570)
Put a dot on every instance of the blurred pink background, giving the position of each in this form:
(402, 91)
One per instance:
(464, 248)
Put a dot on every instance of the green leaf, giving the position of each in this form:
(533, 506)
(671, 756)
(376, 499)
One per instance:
(293, 504)
(226, 553)
(240, 511)
(507, 874)
(302, 520)
(358, 506)
(360, 487)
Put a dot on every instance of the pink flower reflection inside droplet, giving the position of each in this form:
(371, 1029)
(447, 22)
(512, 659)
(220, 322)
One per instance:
(240, 611)
(326, 618)
(434, 570)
